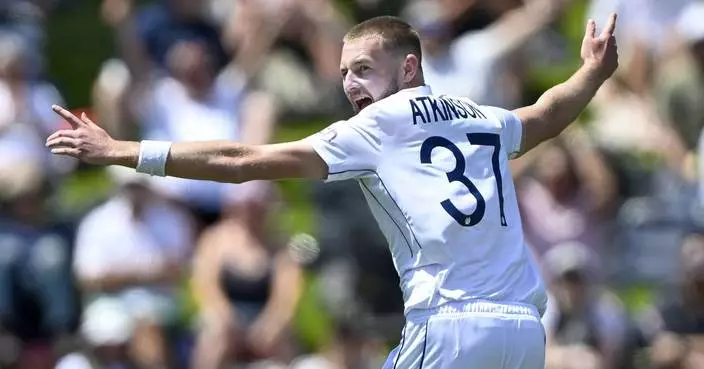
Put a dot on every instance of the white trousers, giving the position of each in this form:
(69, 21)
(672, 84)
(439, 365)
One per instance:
(474, 335)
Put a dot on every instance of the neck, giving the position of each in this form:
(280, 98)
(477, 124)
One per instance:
(418, 81)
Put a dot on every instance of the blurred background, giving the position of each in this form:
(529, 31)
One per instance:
(105, 268)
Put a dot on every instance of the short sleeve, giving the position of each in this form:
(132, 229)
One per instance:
(350, 148)
(511, 129)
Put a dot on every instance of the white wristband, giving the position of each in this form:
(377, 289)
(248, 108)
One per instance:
(152, 157)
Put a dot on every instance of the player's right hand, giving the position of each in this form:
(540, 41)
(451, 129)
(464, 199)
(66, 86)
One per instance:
(85, 140)
(600, 51)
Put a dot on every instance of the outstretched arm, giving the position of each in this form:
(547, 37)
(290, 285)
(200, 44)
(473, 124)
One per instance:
(222, 161)
(562, 104)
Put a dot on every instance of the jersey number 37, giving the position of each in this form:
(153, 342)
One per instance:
(457, 174)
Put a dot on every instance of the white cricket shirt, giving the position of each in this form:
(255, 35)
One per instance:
(434, 170)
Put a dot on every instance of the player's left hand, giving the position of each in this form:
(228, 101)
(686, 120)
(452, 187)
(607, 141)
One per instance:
(85, 140)
(601, 52)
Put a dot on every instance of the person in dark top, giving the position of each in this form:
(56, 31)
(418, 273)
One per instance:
(584, 319)
(246, 283)
(39, 306)
(675, 327)
(355, 258)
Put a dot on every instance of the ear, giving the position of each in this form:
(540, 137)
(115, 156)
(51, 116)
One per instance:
(411, 66)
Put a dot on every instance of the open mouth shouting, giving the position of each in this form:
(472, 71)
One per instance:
(362, 102)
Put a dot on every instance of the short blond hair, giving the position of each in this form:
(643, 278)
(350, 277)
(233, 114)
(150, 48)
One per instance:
(397, 36)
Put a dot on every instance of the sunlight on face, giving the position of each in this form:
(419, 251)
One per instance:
(369, 73)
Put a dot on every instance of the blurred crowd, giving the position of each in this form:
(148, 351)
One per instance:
(161, 273)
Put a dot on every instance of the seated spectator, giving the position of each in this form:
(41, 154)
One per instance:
(586, 325)
(247, 282)
(132, 250)
(351, 346)
(357, 275)
(675, 326)
(38, 300)
(106, 331)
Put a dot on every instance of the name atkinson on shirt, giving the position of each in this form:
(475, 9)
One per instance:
(429, 109)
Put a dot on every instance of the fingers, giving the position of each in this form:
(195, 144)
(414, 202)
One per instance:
(612, 42)
(608, 31)
(67, 151)
(62, 133)
(84, 118)
(62, 142)
(68, 116)
(591, 29)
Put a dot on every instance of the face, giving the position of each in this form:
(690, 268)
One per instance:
(570, 290)
(370, 73)
(12, 62)
(553, 170)
(191, 63)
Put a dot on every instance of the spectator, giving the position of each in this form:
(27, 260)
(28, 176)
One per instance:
(629, 147)
(198, 105)
(38, 299)
(357, 274)
(478, 58)
(106, 331)
(247, 282)
(26, 19)
(584, 323)
(675, 325)
(136, 261)
(159, 26)
(350, 346)
(25, 120)
(644, 34)
(195, 101)
(637, 94)
(679, 81)
(291, 48)
(568, 195)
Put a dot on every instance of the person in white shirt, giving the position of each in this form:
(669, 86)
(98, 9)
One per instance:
(130, 254)
(434, 170)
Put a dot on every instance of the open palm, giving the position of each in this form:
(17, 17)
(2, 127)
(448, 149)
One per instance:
(601, 52)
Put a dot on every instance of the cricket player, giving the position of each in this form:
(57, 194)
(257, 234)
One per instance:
(434, 170)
